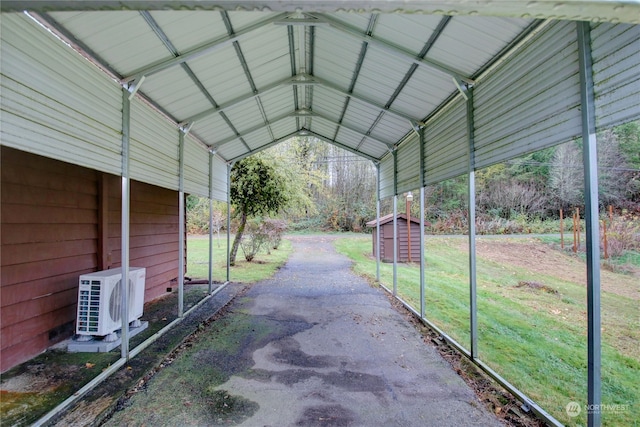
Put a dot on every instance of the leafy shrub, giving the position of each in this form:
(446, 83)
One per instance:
(274, 229)
(253, 239)
(623, 235)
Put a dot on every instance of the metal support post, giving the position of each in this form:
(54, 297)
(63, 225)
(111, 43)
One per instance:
(590, 161)
(395, 245)
(473, 308)
(210, 222)
(229, 166)
(181, 227)
(378, 249)
(395, 223)
(422, 260)
(126, 196)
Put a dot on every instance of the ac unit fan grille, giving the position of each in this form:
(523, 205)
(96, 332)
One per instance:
(89, 305)
(115, 300)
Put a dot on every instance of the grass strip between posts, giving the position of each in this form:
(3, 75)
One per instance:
(262, 267)
(532, 326)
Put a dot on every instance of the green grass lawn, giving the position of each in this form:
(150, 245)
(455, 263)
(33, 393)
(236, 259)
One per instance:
(262, 267)
(533, 338)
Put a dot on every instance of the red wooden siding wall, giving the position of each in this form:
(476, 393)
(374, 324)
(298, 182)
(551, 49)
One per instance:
(153, 235)
(59, 221)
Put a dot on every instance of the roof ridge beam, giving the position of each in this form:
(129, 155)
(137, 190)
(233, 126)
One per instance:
(394, 49)
(205, 48)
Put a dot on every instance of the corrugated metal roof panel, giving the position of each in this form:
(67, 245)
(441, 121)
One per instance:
(390, 128)
(232, 150)
(243, 19)
(278, 102)
(517, 111)
(409, 165)
(222, 75)
(218, 179)
(348, 137)
(244, 115)
(196, 168)
(387, 177)
(54, 102)
(616, 67)
(328, 103)
(284, 127)
(410, 32)
(424, 92)
(122, 39)
(380, 76)
(357, 20)
(359, 114)
(335, 56)
(374, 148)
(187, 29)
(212, 129)
(446, 143)
(174, 90)
(467, 43)
(270, 64)
(258, 138)
(323, 127)
(508, 120)
(154, 147)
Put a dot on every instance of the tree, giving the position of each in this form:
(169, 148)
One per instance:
(257, 189)
(566, 175)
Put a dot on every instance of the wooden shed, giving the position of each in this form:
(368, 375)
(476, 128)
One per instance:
(386, 238)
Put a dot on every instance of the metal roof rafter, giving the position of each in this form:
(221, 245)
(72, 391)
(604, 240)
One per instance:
(340, 145)
(243, 98)
(292, 59)
(264, 147)
(247, 71)
(205, 48)
(300, 79)
(359, 132)
(297, 113)
(356, 72)
(165, 40)
(328, 85)
(427, 46)
(393, 49)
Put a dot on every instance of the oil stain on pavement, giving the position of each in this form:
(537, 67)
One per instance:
(313, 346)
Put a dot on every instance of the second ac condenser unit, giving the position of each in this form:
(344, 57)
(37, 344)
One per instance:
(100, 300)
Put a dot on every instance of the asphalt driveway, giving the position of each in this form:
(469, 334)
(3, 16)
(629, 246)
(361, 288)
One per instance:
(313, 346)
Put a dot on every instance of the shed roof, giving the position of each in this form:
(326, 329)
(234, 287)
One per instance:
(388, 218)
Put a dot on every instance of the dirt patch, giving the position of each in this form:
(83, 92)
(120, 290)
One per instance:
(538, 258)
(536, 286)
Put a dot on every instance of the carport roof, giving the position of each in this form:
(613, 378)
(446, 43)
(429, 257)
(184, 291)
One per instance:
(244, 80)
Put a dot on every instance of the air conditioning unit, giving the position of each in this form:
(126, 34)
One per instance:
(99, 301)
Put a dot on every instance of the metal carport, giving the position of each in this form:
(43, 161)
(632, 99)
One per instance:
(172, 93)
